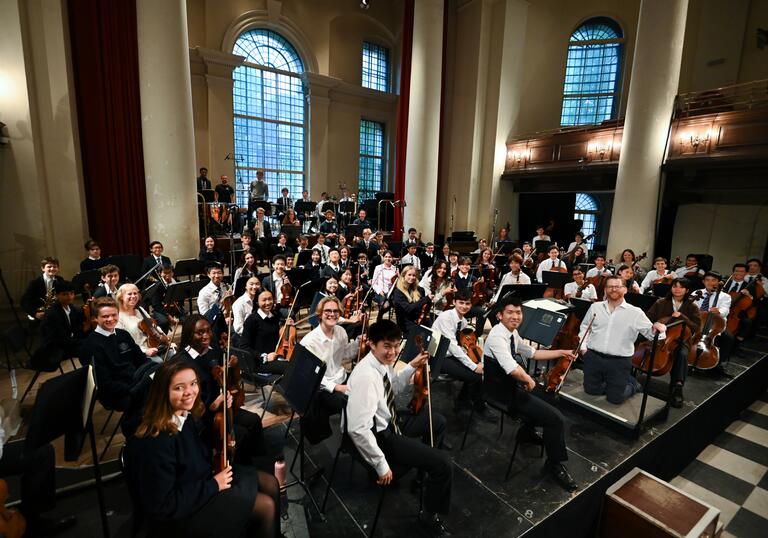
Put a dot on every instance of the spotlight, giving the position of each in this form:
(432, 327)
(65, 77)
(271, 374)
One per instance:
(365, 4)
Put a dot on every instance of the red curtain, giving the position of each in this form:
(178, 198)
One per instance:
(105, 59)
(401, 140)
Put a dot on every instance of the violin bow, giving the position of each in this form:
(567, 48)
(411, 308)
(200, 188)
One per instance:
(173, 335)
(570, 363)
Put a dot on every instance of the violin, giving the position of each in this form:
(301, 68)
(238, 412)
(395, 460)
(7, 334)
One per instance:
(421, 388)
(598, 281)
(148, 325)
(286, 343)
(287, 293)
(12, 523)
(351, 303)
(529, 262)
(557, 374)
(677, 332)
(468, 342)
(703, 353)
(228, 378)
(423, 313)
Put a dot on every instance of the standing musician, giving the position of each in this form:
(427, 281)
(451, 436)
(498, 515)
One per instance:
(274, 283)
(225, 190)
(660, 271)
(122, 370)
(94, 259)
(131, 315)
(39, 294)
(261, 332)
(438, 286)
(690, 269)
(110, 276)
(243, 305)
(383, 280)
(609, 347)
(155, 257)
(676, 305)
(710, 300)
(62, 325)
(411, 258)
(320, 209)
(600, 268)
(384, 437)
(284, 203)
(458, 364)
(209, 253)
(203, 183)
(329, 342)
(259, 188)
(213, 292)
(505, 345)
(410, 300)
(627, 275)
(330, 228)
(628, 258)
(580, 288)
(553, 262)
(514, 276)
(170, 472)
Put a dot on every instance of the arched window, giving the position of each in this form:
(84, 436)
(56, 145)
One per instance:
(592, 72)
(269, 114)
(586, 210)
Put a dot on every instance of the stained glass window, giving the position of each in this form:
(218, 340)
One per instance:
(592, 72)
(269, 114)
(371, 174)
(375, 67)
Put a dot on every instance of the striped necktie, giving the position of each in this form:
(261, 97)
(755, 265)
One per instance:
(390, 396)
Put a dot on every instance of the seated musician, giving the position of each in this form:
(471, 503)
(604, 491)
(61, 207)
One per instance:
(130, 317)
(659, 271)
(170, 472)
(540, 236)
(332, 268)
(445, 252)
(209, 253)
(62, 325)
(552, 262)
(346, 283)
(690, 269)
(412, 238)
(754, 267)
(322, 247)
(486, 266)
(94, 259)
(577, 256)
(410, 257)
(243, 306)
(39, 293)
(528, 254)
(482, 244)
(247, 269)
(362, 219)
(627, 275)
(609, 347)
(368, 244)
(580, 288)
(331, 289)
(274, 283)
(155, 257)
(514, 276)
(329, 342)
(579, 242)
(282, 246)
(600, 269)
(383, 279)
(409, 300)
(341, 241)
(213, 292)
(458, 364)
(427, 258)
(712, 299)
(261, 332)
(505, 345)
(671, 308)
(464, 279)
(314, 267)
(387, 439)
(290, 219)
(110, 276)
(378, 258)
(629, 259)
(330, 228)
(122, 370)
(162, 309)
(284, 203)
(345, 257)
(438, 286)
(364, 272)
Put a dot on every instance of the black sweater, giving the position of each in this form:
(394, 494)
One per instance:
(171, 473)
(406, 313)
(260, 335)
(115, 360)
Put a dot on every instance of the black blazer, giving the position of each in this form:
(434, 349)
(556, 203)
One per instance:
(285, 250)
(101, 291)
(267, 231)
(34, 295)
(149, 263)
(58, 332)
(463, 283)
(89, 264)
(427, 261)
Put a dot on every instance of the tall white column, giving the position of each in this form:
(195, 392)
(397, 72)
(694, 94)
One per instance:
(167, 125)
(424, 118)
(655, 77)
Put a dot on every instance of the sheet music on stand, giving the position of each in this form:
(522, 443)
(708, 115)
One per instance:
(542, 320)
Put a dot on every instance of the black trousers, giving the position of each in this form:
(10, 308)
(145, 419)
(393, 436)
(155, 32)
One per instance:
(417, 425)
(609, 375)
(537, 412)
(403, 453)
(680, 366)
(477, 312)
(725, 343)
(473, 386)
(249, 435)
(316, 423)
(38, 476)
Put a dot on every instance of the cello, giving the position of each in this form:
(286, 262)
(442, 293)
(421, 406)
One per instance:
(598, 281)
(664, 359)
(557, 374)
(742, 305)
(703, 354)
(556, 293)
(12, 522)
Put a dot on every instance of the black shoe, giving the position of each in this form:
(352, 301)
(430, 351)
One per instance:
(44, 526)
(677, 397)
(561, 476)
(433, 526)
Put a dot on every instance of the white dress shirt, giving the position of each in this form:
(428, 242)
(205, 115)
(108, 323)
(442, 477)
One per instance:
(722, 303)
(131, 324)
(595, 272)
(509, 278)
(548, 264)
(367, 406)
(583, 246)
(736, 285)
(614, 333)
(324, 251)
(334, 352)
(448, 324)
(241, 309)
(208, 297)
(409, 259)
(680, 272)
(764, 280)
(382, 279)
(588, 294)
(650, 277)
(498, 345)
(545, 237)
(277, 283)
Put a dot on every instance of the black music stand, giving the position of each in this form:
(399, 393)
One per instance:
(346, 210)
(661, 290)
(556, 279)
(524, 292)
(208, 195)
(434, 342)
(299, 386)
(643, 302)
(129, 264)
(542, 246)
(355, 230)
(90, 279)
(189, 268)
(305, 257)
(291, 231)
(506, 247)
(302, 208)
(580, 306)
(240, 285)
(184, 291)
(149, 293)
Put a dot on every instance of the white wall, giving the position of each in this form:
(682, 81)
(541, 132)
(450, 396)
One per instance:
(730, 233)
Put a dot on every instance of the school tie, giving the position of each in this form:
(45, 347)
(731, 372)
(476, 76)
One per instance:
(390, 396)
(705, 303)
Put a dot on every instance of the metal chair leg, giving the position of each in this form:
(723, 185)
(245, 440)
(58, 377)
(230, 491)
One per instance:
(111, 438)
(288, 429)
(511, 460)
(29, 387)
(330, 478)
(378, 511)
(106, 422)
(466, 430)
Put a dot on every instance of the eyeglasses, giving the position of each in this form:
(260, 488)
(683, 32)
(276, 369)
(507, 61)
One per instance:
(332, 312)
(613, 287)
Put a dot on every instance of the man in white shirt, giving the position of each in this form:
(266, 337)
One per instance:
(599, 268)
(328, 341)
(213, 292)
(691, 267)
(552, 262)
(579, 288)
(754, 266)
(514, 276)
(386, 441)
(411, 258)
(660, 271)
(609, 346)
(458, 364)
(540, 236)
(243, 305)
(717, 302)
(506, 346)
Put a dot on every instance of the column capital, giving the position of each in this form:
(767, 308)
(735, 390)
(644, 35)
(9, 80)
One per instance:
(213, 62)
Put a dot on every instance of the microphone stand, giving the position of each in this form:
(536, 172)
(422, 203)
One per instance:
(12, 371)
(232, 241)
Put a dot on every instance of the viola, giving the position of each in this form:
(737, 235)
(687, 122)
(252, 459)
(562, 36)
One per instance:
(703, 353)
(12, 523)
(287, 293)
(468, 342)
(557, 374)
(423, 313)
(228, 378)
(286, 343)
(677, 333)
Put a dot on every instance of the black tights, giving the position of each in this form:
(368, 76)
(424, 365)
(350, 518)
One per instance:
(266, 508)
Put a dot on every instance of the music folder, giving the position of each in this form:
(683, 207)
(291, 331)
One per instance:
(542, 320)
